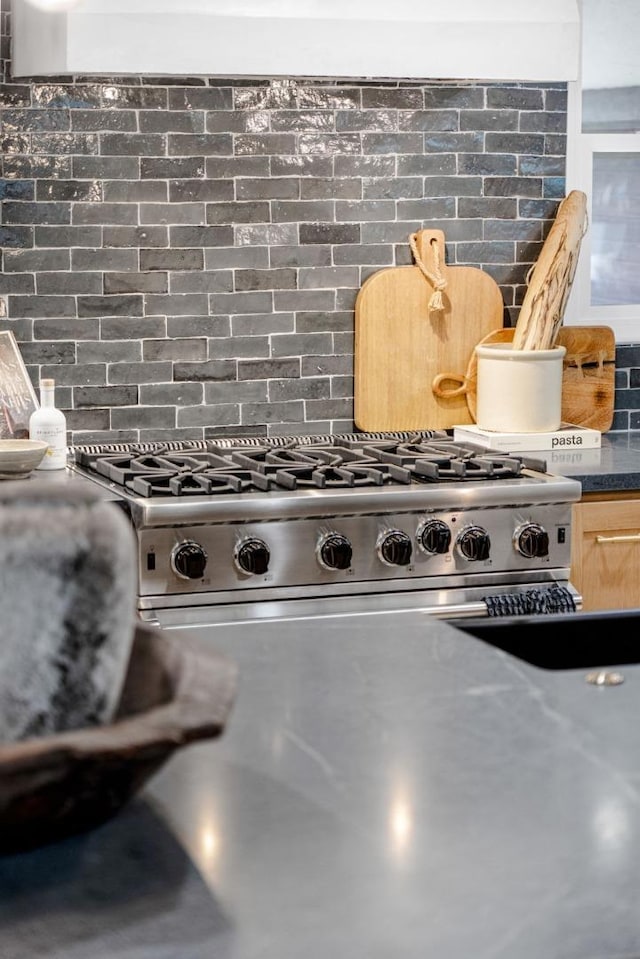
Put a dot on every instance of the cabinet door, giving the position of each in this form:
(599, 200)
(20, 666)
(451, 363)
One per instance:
(605, 557)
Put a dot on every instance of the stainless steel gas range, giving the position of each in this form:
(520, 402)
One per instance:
(248, 528)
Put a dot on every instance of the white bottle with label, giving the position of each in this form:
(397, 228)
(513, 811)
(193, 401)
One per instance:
(49, 424)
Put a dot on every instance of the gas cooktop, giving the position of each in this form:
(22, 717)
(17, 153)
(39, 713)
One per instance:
(339, 462)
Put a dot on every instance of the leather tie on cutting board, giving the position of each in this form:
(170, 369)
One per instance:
(403, 340)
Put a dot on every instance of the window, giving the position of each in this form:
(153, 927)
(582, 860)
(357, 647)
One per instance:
(603, 159)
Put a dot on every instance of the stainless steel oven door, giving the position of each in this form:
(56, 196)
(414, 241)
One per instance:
(450, 603)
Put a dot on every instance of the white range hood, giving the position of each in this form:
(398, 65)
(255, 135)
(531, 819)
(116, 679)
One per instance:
(522, 40)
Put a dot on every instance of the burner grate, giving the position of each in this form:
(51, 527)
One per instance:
(356, 460)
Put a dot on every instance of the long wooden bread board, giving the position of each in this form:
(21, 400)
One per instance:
(549, 285)
(401, 344)
(588, 375)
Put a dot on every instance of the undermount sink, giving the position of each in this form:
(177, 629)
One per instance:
(564, 640)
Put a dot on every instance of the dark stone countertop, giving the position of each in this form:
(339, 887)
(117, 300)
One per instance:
(387, 787)
(615, 467)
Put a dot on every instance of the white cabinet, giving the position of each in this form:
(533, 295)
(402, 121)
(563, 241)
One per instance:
(460, 39)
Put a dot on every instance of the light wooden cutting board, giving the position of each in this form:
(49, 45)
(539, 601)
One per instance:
(401, 345)
(588, 375)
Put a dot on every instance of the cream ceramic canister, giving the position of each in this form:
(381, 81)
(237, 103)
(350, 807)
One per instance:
(519, 391)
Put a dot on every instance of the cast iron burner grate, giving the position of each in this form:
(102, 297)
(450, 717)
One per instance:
(213, 468)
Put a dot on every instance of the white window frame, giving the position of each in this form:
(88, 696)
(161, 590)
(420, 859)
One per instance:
(581, 147)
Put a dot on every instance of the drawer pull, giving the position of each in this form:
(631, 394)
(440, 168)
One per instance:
(630, 538)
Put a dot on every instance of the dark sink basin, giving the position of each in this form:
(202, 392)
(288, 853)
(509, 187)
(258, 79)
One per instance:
(564, 640)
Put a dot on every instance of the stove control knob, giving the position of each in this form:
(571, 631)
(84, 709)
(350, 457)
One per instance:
(334, 551)
(394, 548)
(189, 560)
(434, 536)
(474, 543)
(532, 541)
(252, 556)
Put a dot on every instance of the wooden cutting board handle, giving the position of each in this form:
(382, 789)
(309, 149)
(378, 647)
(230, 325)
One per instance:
(459, 390)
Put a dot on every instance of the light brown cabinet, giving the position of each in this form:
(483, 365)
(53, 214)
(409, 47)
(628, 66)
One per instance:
(605, 550)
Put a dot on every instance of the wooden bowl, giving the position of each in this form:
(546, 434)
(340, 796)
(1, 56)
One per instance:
(175, 693)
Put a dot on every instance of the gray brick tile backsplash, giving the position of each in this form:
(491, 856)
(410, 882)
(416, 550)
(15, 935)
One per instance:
(335, 234)
(108, 351)
(183, 255)
(143, 417)
(38, 353)
(101, 259)
(70, 236)
(131, 305)
(238, 166)
(220, 281)
(175, 349)
(18, 283)
(197, 144)
(285, 279)
(532, 209)
(258, 323)
(119, 213)
(88, 397)
(66, 329)
(69, 190)
(120, 328)
(238, 346)
(301, 255)
(200, 236)
(136, 283)
(17, 189)
(61, 283)
(103, 120)
(173, 259)
(210, 416)
(146, 372)
(200, 190)
(170, 168)
(202, 98)
(105, 167)
(17, 261)
(245, 391)
(171, 394)
(36, 306)
(286, 412)
(175, 304)
(238, 212)
(270, 235)
(141, 236)
(195, 326)
(32, 166)
(171, 121)
(258, 257)
(138, 191)
(172, 213)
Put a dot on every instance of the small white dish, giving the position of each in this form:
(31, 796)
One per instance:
(19, 457)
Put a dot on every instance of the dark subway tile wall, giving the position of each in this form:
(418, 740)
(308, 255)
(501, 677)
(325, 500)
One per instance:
(183, 255)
